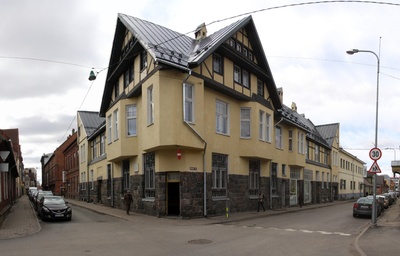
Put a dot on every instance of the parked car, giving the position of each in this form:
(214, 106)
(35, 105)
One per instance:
(381, 201)
(39, 195)
(394, 195)
(391, 199)
(54, 208)
(30, 192)
(386, 201)
(363, 207)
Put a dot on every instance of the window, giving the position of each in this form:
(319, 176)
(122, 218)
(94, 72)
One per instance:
(83, 180)
(278, 137)
(283, 170)
(245, 122)
(91, 182)
(300, 142)
(222, 117)
(237, 75)
(250, 55)
(102, 144)
(290, 140)
(83, 153)
(323, 180)
(274, 178)
(94, 149)
(328, 180)
(254, 177)
(150, 106)
(317, 178)
(232, 42)
(238, 47)
(149, 171)
(316, 153)
(189, 102)
(264, 127)
(219, 174)
(246, 79)
(126, 78)
(217, 64)
(143, 60)
(109, 178)
(109, 133)
(125, 174)
(132, 73)
(131, 120)
(260, 88)
(245, 52)
(116, 132)
(116, 90)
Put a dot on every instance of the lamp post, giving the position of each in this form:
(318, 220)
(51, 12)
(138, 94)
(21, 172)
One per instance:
(351, 52)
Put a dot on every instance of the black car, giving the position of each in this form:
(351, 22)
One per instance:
(54, 208)
(38, 196)
(363, 207)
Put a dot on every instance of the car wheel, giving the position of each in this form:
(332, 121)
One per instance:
(354, 215)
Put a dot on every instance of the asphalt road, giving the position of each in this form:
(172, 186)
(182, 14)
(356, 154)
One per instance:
(321, 231)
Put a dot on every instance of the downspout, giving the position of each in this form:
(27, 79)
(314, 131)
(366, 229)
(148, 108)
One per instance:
(270, 175)
(205, 146)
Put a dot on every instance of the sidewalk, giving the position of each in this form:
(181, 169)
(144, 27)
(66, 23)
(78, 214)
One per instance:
(382, 238)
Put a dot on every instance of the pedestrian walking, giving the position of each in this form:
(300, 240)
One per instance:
(260, 202)
(128, 199)
(300, 199)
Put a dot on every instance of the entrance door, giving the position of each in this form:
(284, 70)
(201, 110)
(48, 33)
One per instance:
(173, 199)
(99, 183)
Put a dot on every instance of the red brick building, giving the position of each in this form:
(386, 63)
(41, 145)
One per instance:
(55, 166)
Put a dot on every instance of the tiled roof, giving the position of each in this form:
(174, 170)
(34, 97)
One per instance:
(91, 121)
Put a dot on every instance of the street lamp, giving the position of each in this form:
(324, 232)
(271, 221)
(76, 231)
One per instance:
(351, 52)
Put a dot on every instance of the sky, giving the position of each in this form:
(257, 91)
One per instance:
(48, 48)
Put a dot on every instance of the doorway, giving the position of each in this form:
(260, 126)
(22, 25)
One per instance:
(173, 194)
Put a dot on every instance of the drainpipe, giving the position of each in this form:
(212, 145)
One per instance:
(205, 145)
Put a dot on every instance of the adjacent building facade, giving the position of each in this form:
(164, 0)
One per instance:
(196, 126)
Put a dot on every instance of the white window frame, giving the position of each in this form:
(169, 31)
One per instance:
(290, 140)
(150, 106)
(246, 78)
(278, 137)
(222, 117)
(109, 130)
(116, 130)
(300, 142)
(237, 74)
(245, 123)
(188, 102)
(131, 120)
(264, 126)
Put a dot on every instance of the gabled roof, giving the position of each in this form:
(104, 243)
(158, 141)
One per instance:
(91, 121)
(178, 50)
(328, 132)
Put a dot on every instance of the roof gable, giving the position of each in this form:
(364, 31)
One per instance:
(91, 121)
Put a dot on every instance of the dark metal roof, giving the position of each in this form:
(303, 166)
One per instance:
(328, 132)
(301, 121)
(91, 121)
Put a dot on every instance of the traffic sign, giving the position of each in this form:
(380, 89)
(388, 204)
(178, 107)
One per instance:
(375, 154)
(375, 168)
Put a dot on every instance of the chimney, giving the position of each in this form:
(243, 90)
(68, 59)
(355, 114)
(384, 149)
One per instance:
(294, 106)
(201, 32)
(280, 94)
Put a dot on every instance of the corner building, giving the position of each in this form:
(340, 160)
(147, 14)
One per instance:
(195, 126)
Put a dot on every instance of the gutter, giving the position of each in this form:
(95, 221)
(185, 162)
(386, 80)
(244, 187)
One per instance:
(205, 145)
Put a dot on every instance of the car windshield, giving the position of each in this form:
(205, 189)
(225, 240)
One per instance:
(365, 200)
(53, 200)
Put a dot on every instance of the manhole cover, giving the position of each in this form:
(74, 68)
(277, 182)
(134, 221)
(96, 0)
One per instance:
(200, 241)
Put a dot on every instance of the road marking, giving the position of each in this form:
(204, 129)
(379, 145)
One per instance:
(290, 230)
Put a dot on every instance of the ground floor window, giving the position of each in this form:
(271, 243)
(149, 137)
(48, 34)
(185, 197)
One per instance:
(294, 177)
(219, 174)
(149, 171)
(254, 177)
(308, 177)
(125, 176)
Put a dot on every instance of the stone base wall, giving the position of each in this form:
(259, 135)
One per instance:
(191, 195)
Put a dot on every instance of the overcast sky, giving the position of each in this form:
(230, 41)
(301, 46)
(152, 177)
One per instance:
(47, 49)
